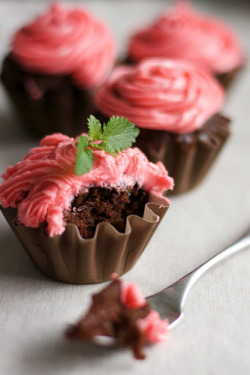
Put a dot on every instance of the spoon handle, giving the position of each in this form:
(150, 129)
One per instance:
(188, 281)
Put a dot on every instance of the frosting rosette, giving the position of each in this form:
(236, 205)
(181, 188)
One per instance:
(184, 33)
(161, 94)
(66, 41)
(43, 185)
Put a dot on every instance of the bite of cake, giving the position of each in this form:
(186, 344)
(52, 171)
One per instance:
(121, 311)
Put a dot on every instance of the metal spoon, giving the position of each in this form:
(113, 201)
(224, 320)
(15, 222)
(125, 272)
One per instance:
(170, 301)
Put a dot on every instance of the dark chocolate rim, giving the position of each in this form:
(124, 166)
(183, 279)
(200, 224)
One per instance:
(73, 259)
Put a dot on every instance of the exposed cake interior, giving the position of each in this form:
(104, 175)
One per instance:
(121, 311)
(109, 205)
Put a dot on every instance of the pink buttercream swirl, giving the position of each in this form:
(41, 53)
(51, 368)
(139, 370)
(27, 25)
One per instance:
(43, 185)
(66, 41)
(152, 326)
(185, 34)
(161, 94)
(131, 295)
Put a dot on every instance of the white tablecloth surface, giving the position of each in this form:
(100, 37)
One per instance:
(214, 335)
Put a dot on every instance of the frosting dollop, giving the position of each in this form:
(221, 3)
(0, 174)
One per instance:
(153, 328)
(161, 94)
(66, 41)
(184, 33)
(43, 185)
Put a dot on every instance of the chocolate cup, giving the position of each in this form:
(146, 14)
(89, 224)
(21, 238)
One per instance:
(47, 103)
(227, 79)
(73, 259)
(187, 157)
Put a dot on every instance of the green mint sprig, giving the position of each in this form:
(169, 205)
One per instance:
(117, 135)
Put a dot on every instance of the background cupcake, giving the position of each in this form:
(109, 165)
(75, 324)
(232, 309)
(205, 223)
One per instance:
(176, 105)
(183, 33)
(79, 228)
(53, 67)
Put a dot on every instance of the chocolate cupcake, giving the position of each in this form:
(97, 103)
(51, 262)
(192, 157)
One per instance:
(79, 228)
(55, 64)
(176, 105)
(121, 311)
(183, 33)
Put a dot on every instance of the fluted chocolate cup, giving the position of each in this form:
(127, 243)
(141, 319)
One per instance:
(72, 259)
(46, 103)
(229, 78)
(188, 157)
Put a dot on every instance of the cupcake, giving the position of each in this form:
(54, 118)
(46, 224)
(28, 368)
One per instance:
(85, 207)
(183, 33)
(54, 65)
(121, 311)
(175, 104)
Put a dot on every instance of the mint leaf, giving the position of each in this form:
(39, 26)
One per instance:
(95, 128)
(84, 162)
(82, 142)
(118, 135)
(84, 157)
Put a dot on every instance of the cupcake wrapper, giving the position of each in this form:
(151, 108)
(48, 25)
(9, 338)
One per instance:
(187, 157)
(72, 259)
(47, 104)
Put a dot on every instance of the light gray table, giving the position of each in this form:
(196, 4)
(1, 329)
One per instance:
(214, 336)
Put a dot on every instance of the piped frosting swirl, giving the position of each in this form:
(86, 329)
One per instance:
(66, 41)
(161, 94)
(183, 33)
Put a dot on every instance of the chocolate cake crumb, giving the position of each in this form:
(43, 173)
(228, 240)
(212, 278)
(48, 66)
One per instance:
(109, 205)
(107, 316)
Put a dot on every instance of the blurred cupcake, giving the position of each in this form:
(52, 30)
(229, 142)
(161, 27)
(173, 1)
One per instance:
(183, 33)
(176, 105)
(79, 228)
(55, 64)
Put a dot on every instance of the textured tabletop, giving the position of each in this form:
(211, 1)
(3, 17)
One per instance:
(214, 336)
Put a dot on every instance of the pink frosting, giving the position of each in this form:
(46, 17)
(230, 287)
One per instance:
(163, 94)
(131, 295)
(66, 41)
(152, 326)
(44, 183)
(185, 34)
